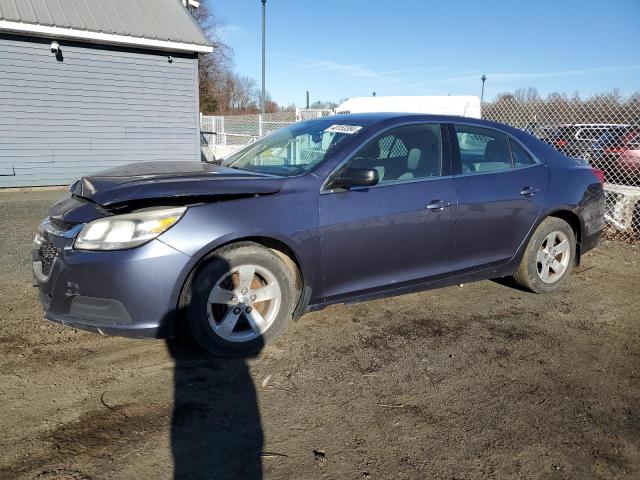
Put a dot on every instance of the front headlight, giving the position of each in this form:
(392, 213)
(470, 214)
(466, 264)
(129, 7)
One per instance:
(120, 232)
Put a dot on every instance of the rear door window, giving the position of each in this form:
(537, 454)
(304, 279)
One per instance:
(482, 150)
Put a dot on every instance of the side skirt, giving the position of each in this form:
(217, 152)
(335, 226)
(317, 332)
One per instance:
(504, 270)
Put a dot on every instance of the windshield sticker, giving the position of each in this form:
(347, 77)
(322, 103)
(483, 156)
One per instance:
(350, 129)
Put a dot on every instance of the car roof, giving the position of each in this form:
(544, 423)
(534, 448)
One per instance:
(372, 118)
(389, 119)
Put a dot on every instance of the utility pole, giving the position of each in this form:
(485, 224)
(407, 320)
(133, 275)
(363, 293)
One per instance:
(307, 99)
(484, 79)
(264, 22)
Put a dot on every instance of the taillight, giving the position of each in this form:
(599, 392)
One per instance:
(599, 174)
(613, 150)
(560, 143)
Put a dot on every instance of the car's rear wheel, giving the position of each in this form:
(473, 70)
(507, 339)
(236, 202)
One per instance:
(240, 298)
(549, 257)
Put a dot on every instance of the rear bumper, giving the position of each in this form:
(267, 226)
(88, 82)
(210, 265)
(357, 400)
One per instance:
(131, 293)
(591, 211)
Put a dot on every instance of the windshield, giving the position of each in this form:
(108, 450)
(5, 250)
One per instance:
(293, 150)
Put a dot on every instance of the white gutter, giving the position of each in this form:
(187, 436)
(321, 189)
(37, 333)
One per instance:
(98, 37)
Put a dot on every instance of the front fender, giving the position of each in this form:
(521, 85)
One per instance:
(289, 218)
(257, 235)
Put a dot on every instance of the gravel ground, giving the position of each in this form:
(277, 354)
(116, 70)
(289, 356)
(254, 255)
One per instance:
(480, 381)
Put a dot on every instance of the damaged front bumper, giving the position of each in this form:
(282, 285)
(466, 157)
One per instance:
(131, 293)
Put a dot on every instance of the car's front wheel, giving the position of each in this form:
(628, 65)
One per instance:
(240, 298)
(549, 257)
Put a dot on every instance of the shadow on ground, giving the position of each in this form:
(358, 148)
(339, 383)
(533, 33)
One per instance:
(215, 429)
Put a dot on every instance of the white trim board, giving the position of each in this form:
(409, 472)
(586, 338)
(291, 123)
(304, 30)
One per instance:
(99, 37)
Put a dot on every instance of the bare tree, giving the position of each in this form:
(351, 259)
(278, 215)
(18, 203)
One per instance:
(321, 104)
(269, 105)
(529, 94)
(211, 66)
(526, 109)
(222, 91)
(243, 93)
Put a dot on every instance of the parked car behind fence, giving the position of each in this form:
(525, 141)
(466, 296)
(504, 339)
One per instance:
(578, 140)
(617, 153)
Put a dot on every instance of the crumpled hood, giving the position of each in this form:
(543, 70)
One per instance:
(159, 180)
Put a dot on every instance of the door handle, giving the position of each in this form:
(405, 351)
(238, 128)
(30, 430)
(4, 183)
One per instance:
(438, 205)
(529, 191)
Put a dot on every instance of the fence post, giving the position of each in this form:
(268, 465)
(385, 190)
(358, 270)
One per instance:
(224, 134)
(260, 124)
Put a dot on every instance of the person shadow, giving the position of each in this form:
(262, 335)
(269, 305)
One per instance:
(216, 430)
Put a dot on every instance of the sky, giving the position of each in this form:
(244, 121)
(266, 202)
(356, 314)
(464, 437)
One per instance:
(338, 49)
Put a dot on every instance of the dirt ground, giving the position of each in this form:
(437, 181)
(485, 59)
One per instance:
(479, 381)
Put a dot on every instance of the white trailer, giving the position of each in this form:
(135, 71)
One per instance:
(464, 106)
(622, 208)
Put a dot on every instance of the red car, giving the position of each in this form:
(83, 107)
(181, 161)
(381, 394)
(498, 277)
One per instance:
(618, 155)
(628, 160)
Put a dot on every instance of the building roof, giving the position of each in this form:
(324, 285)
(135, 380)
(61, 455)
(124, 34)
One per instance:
(156, 24)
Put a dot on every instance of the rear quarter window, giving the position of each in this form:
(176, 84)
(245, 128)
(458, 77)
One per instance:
(521, 158)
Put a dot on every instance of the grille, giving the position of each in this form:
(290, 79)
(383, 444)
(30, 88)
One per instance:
(61, 225)
(47, 254)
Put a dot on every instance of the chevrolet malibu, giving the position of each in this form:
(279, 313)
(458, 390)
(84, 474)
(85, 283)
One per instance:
(334, 210)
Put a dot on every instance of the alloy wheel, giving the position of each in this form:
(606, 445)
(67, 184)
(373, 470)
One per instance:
(244, 303)
(553, 257)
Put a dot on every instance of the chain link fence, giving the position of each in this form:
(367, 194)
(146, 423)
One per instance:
(223, 135)
(602, 129)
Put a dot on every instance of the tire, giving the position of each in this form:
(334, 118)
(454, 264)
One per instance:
(537, 268)
(227, 288)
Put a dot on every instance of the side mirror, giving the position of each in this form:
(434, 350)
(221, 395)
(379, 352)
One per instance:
(355, 177)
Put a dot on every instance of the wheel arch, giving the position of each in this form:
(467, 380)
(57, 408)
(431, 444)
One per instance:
(279, 247)
(574, 222)
(285, 252)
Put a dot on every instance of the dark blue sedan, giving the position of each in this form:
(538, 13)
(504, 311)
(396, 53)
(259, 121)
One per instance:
(338, 209)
